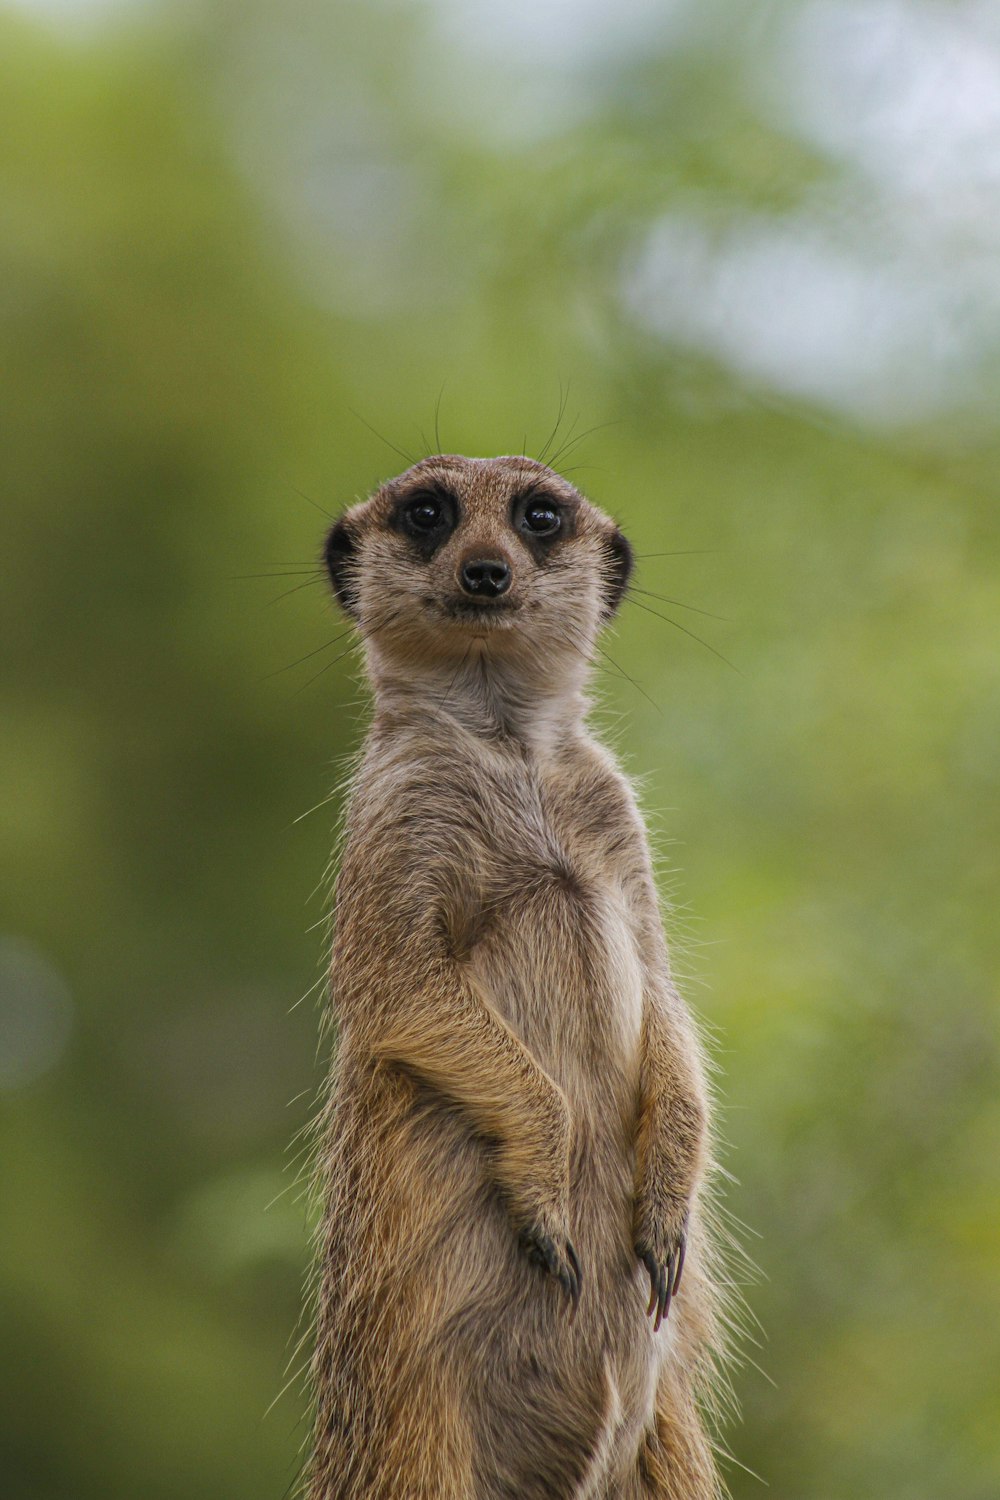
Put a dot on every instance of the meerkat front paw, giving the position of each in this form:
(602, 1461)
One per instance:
(548, 1247)
(663, 1256)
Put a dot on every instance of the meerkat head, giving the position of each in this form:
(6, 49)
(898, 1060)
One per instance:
(501, 557)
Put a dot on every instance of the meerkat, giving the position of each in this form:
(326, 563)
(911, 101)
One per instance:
(515, 1145)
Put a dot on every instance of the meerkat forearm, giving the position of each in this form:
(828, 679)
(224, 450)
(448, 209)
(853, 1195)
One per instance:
(670, 1147)
(422, 1011)
(672, 1126)
(462, 1048)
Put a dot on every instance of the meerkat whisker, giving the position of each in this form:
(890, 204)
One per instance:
(309, 584)
(284, 572)
(326, 646)
(352, 647)
(678, 603)
(678, 626)
(563, 402)
(684, 552)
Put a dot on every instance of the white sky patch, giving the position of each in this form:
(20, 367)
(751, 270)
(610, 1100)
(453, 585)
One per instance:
(527, 69)
(887, 298)
(908, 90)
(553, 34)
(780, 301)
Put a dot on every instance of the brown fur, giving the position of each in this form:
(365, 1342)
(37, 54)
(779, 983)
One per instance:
(518, 1086)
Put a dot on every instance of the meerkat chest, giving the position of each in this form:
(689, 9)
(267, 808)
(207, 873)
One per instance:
(558, 944)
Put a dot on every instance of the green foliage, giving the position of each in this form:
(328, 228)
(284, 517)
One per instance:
(222, 237)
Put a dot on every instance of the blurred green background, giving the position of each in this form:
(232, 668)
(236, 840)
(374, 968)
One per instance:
(757, 249)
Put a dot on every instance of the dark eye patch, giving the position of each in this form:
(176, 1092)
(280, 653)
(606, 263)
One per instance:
(540, 518)
(426, 517)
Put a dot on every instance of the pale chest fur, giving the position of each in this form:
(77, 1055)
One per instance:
(552, 926)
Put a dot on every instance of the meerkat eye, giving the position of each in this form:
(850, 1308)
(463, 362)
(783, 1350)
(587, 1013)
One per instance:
(426, 513)
(541, 518)
(427, 517)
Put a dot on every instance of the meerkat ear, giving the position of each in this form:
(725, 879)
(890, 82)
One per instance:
(619, 570)
(340, 556)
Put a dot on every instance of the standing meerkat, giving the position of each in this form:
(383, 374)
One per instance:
(516, 1137)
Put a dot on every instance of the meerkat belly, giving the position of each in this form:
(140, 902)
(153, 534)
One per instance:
(559, 961)
(561, 967)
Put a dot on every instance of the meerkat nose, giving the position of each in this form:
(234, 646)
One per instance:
(485, 577)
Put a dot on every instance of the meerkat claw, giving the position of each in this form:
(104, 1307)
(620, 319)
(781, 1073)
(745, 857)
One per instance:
(542, 1250)
(663, 1301)
(681, 1252)
(663, 1283)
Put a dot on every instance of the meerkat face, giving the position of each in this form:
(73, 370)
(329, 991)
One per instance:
(502, 553)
